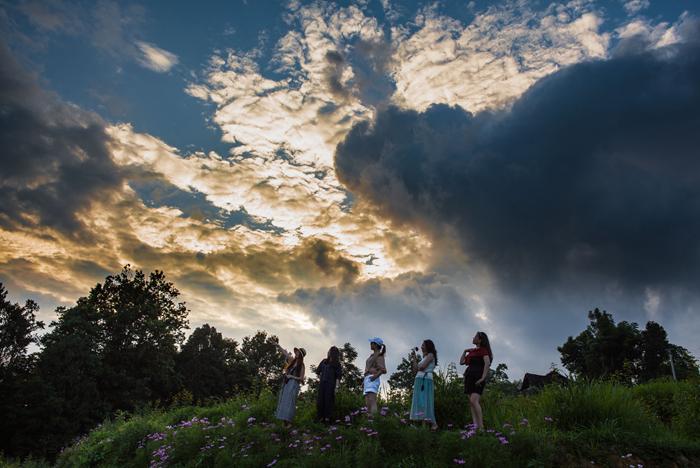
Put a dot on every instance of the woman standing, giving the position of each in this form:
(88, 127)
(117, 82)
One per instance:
(374, 367)
(329, 372)
(293, 377)
(423, 404)
(478, 361)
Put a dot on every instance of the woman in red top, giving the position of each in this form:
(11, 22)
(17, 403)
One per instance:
(478, 361)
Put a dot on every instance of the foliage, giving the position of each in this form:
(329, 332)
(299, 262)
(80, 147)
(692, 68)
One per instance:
(604, 423)
(212, 366)
(18, 327)
(264, 360)
(403, 377)
(621, 352)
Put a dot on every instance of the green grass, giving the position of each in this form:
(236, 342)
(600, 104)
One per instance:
(656, 423)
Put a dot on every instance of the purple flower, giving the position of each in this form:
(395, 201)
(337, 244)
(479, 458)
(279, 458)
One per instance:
(339, 438)
(272, 463)
(251, 420)
(548, 419)
(459, 461)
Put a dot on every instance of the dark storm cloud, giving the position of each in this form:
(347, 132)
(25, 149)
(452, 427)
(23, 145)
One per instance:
(54, 160)
(594, 173)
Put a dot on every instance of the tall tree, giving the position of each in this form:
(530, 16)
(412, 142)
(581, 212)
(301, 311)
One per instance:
(404, 376)
(114, 350)
(263, 358)
(684, 363)
(211, 365)
(655, 348)
(142, 325)
(605, 349)
(18, 327)
(352, 375)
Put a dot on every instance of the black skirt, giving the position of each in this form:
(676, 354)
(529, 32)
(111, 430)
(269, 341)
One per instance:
(470, 385)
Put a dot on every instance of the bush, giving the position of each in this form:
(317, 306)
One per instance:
(595, 406)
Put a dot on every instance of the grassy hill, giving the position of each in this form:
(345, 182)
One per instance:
(584, 424)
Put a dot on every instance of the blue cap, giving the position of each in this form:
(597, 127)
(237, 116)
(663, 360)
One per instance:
(377, 340)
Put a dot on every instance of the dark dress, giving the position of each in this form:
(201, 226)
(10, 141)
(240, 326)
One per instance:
(475, 369)
(329, 374)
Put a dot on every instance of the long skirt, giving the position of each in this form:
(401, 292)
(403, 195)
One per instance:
(326, 400)
(423, 404)
(287, 400)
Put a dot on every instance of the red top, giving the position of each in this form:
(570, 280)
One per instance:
(476, 352)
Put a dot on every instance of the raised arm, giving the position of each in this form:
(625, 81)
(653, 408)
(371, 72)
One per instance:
(463, 359)
(425, 362)
(287, 355)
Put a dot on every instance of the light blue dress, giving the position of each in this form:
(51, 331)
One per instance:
(423, 403)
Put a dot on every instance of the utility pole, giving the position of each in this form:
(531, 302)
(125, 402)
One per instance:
(673, 369)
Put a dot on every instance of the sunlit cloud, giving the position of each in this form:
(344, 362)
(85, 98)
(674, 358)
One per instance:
(155, 58)
(495, 58)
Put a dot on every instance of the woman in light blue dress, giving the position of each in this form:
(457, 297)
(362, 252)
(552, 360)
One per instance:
(423, 403)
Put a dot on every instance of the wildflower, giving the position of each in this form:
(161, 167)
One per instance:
(459, 461)
(251, 420)
(339, 438)
(548, 419)
(524, 422)
(347, 419)
(272, 463)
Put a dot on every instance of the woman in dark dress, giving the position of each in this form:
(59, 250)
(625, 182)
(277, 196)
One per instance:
(329, 372)
(478, 361)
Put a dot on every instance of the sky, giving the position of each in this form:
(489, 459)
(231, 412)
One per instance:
(330, 172)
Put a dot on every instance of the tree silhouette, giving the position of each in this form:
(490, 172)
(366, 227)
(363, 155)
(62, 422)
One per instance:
(404, 376)
(211, 365)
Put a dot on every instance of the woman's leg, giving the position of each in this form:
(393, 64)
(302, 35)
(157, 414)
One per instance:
(371, 399)
(476, 411)
(471, 408)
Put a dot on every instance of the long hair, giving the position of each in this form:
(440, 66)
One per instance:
(382, 347)
(334, 356)
(484, 343)
(430, 348)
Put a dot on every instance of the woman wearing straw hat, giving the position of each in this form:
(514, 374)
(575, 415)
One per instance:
(374, 367)
(292, 378)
